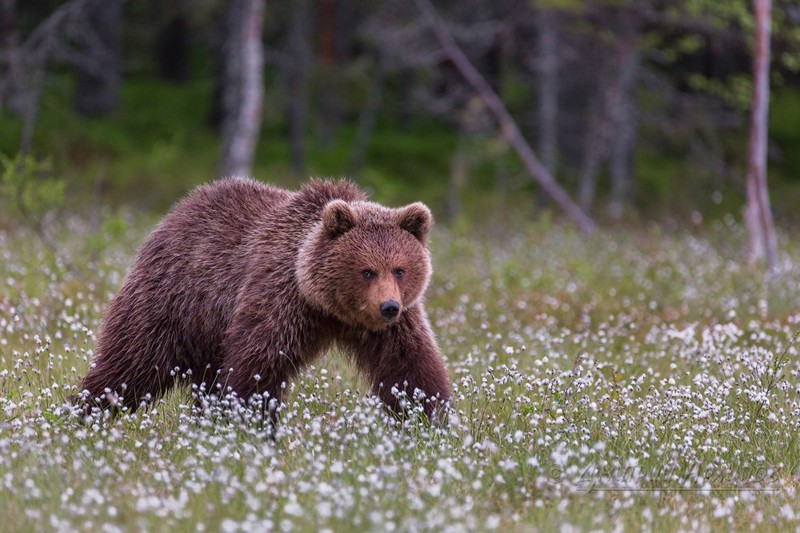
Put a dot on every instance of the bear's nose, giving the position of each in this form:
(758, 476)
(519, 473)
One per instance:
(390, 309)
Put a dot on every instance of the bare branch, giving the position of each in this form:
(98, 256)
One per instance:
(63, 35)
(507, 124)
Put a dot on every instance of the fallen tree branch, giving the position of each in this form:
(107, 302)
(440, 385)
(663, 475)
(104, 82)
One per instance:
(507, 124)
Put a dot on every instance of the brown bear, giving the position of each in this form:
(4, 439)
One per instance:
(243, 284)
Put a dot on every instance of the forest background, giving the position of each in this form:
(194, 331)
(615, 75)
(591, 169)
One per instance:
(638, 110)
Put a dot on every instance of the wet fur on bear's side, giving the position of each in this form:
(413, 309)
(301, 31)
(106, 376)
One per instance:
(243, 284)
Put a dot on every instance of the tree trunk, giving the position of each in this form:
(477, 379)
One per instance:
(97, 83)
(7, 21)
(459, 176)
(327, 31)
(508, 126)
(367, 118)
(329, 113)
(547, 67)
(594, 148)
(172, 50)
(758, 214)
(243, 87)
(611, 125)
(297, 95)
(10, 49)
(599, 128)
(620, 161)
(625, 112)
(9, 44)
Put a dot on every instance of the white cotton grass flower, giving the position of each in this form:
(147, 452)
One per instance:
(674, 400)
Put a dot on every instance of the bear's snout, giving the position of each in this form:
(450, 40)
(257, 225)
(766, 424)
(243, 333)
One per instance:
(390, 309)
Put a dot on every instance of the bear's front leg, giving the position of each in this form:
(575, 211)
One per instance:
(404, 358)
(262, 353)
(255, 364)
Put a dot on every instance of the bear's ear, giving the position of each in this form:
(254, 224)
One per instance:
(338, 218)
(417, 220)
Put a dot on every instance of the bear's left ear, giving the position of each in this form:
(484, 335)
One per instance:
(417, 220)
(338, 218)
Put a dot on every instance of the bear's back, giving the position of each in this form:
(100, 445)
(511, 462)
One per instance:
(203, 249)
(228, 206)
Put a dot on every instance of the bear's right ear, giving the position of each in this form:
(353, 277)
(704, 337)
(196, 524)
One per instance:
(338, 218)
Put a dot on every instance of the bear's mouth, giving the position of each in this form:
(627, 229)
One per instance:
(379, 323)
(388, 321)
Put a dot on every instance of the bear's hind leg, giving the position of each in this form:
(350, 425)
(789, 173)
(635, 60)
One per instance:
(138, 361)
(112, 385)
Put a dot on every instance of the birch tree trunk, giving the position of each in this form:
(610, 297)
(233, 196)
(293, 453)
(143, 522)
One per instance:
(758, 214)
(243, 89)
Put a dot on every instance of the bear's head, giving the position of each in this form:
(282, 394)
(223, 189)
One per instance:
(364, 263)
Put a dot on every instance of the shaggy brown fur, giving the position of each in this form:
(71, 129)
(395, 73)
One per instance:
(243, 284)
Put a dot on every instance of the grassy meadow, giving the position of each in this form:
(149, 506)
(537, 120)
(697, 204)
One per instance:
(638, 379)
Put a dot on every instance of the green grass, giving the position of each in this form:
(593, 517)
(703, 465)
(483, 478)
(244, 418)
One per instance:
(638, 379)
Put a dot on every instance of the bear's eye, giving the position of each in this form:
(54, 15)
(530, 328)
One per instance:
(368, 274)
(399, 273)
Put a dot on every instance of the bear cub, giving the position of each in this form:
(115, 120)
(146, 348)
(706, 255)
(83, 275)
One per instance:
(243, 284)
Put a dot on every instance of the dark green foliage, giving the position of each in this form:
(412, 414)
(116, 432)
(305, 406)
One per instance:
(28, 189)
(784, 120)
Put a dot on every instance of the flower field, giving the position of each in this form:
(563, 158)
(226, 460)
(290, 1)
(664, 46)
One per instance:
(637, 380)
